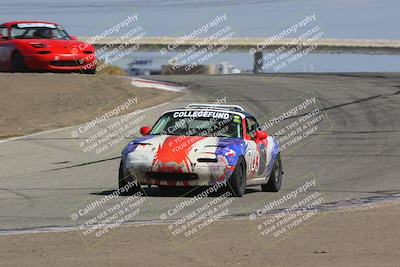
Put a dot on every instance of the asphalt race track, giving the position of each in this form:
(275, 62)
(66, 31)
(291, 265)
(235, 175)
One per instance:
(355, 158)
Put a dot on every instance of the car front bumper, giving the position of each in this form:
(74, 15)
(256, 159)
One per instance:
(60, 62)
(171, 174)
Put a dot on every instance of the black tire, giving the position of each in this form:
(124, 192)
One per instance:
(123, 180)
(17, 62)
(275, 179)
(92, 71)
(165, 188)
(237, 181)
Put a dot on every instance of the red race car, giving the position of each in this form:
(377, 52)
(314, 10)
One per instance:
(43, 46)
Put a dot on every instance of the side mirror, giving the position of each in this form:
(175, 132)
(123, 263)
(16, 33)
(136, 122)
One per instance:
(73, 37)
(145, 130)
(261, 135)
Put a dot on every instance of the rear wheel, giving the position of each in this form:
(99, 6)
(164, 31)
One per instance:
(17, 62)
(237, 181)
(123, 182)
(275, 179)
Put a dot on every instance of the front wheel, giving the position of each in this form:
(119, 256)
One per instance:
(237, 181)
(17, 62)
(275, 179)
(126, 184)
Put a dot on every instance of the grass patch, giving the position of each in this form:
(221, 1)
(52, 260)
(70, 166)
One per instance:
(110, 69)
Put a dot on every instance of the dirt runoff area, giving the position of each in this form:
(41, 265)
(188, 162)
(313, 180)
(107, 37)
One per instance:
(368, 237)
(32, 102)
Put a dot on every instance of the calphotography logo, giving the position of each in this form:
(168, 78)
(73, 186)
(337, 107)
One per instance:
(200, 46)
(192, 217)
(297, 123)
(289, 45)
(119, 41)
(98, 218)
(103, 133)
(278, 217)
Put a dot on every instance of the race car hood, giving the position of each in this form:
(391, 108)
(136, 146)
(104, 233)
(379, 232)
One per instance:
(185, 150)
(57, 46)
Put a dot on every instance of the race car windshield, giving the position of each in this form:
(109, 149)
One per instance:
(199, 123)
(38, 31)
